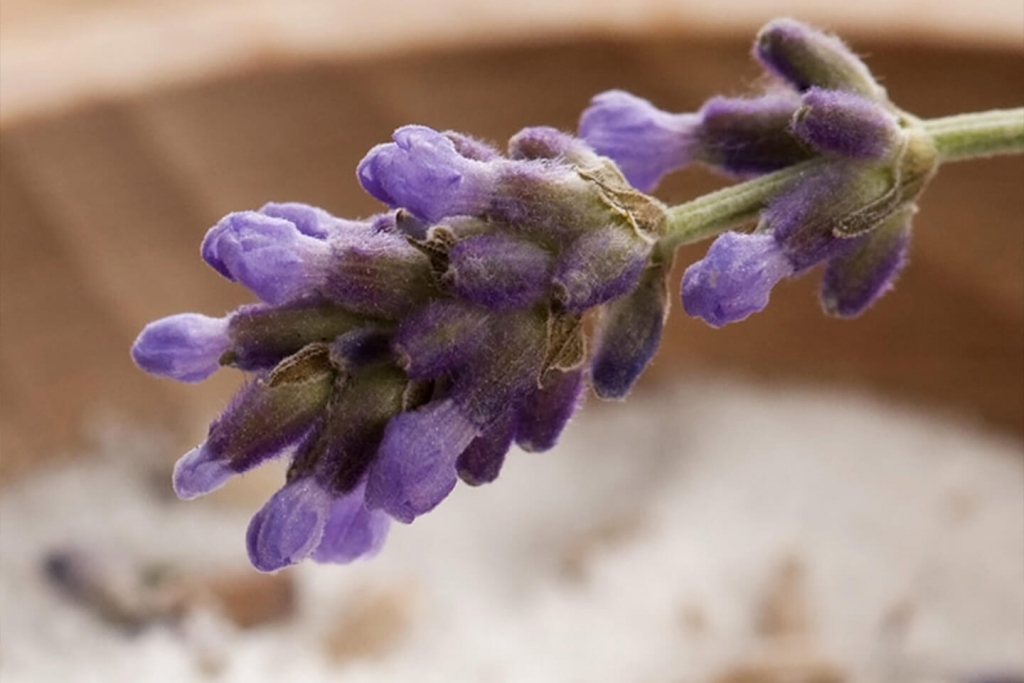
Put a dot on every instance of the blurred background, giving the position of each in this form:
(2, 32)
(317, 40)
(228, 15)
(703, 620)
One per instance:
(130, 126)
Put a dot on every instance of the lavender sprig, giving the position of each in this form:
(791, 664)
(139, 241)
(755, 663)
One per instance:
(395, 355)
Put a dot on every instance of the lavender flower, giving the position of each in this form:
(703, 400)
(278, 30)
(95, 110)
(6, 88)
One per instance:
(738, 136)
(805, 57)
(857, 277)
(397, 354)
(646, 142)
(424, 172)
(268, 255)
(544, 412)
(267, 416)
(630, 331)
(186, 347)
(847, 125)
(735, 279)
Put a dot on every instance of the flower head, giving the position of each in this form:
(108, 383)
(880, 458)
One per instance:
(398, 354)
(850, 211)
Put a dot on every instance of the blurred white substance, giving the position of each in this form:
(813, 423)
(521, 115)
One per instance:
(638, 550)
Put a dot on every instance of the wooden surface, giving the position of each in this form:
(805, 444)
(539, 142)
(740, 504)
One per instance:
(103, 208)
(56, 53)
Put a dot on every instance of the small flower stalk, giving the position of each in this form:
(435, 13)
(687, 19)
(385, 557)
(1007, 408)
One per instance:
(390, 357)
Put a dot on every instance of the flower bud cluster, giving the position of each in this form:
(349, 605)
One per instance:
(393, 355)
(851, 210)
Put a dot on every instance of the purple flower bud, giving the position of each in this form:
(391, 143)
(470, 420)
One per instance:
(805, 57)
(499, 271)
(268, 255)
(735, 278)
(749, 136)
(422, 171)
(186, 347)
(471, 148)
(546, 410)
(629, 334)
(544, 142)
(351, 530)
(600, 265)
(263, 419)
(856, 278)
(481, 462)
(439, 338)
(644, 141)
(415, 466)
(846, 124)
(290, 526)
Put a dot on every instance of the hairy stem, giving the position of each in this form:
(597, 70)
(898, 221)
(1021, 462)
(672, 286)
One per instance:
(957, 138)
(971, 136)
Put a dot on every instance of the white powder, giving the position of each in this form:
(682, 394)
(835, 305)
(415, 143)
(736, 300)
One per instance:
(702, 495)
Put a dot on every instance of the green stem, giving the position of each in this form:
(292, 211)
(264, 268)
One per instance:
(971, 136)
(957, 138)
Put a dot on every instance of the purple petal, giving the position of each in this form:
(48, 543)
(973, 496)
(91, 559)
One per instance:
(806, 57)
(544, 142)
(309, 220)
(858, 277)
(351, 531)
(481, 462)
(439, 338)
(546, 411)
(199, 472)
(290, 526)
(415, 466)
(735, 278)
(499, 271)
(846, 124)
(186, 347)
(268, 255)
(422, 171)
(644, 141)
(600, 265)
(749, 136)
(629, 335)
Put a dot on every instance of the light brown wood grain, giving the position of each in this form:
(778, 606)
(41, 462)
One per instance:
(56, 53)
